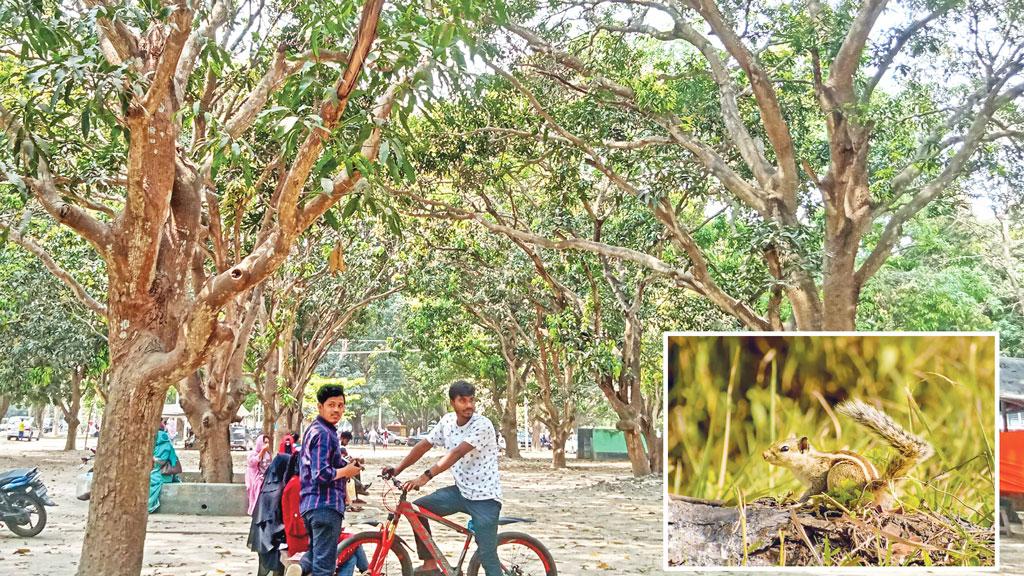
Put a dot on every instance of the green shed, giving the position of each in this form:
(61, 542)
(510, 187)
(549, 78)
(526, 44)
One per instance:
(601, 444)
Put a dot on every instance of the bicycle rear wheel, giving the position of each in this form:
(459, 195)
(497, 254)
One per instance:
(396, 561)
(520, 555)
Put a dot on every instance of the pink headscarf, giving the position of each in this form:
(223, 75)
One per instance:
(257, 466)
(261, 443)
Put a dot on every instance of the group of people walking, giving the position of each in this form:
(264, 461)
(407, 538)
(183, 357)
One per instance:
(303, 492)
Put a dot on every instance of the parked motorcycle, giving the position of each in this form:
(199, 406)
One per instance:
(22, 500)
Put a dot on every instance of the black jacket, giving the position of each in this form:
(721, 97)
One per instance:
(266, 532)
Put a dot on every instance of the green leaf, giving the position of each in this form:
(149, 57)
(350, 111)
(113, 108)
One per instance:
(332, 219)
(410, 173)
(394, 224)
(350, 207)
(286, 124)
(446, 35)
(500, 12)
(85, 122)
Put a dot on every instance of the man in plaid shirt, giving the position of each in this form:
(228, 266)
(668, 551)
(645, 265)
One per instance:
(322, 475)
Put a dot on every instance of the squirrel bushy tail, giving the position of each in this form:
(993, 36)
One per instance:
(911, 449)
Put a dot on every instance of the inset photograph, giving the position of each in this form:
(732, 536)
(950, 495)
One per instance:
(837, 450)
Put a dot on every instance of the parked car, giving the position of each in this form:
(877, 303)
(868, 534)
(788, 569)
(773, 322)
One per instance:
(31, 433)
(239, 439)
(523, 438)
(415, 438)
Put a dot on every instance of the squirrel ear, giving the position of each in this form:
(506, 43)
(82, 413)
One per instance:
(804, 445)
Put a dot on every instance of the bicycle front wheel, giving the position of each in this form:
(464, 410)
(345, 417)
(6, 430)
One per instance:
(395, 561)
(520, 555)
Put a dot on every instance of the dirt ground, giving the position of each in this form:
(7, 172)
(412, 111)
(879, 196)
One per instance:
(594, 518)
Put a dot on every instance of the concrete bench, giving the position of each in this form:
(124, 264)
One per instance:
(195, 476)
(204, 499)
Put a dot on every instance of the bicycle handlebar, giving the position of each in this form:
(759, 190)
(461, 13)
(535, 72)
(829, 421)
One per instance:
(392, 479)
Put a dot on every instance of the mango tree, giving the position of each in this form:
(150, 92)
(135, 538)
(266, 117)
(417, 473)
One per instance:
(160, 97)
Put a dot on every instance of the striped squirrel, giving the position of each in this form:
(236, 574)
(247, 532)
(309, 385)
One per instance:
(824, 471)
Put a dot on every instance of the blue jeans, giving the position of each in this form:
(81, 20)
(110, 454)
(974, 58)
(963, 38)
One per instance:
(324, 527)
(357, 560)
(448, 501)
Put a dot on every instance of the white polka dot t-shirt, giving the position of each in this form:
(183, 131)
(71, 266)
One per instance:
(476, 473)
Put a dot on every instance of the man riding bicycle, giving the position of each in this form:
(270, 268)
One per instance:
(473, 458)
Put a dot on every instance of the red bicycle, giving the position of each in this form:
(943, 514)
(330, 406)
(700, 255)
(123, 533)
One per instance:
(388, 554)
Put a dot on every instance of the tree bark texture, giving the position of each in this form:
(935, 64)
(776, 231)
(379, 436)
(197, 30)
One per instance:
(71, 410)
(120, 486)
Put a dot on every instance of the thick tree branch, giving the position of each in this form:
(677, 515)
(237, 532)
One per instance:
(162, 83)
(239, 121)
(289, 217)
(711, 160)
(775, 125)
(345, 183)
(219, 15)
(844, 67)
(928, 192)
(737, 131)
(44, 189)
(120, 43)
(201, 328)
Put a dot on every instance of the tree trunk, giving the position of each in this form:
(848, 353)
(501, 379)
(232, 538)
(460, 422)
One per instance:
(847, 218)
(296, 420)
(558, 438)
(116, 531)
(269, 398)
(839, 287)
(653, 449)
(357, 423)
(509, 433)
(285, 422)
(213, 439)
(637, 454)
(71, 416)
(72, 439)
(38, 412)
(5, 404)
(269, 417)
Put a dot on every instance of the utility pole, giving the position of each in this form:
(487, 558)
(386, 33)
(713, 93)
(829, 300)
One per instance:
(526, 420)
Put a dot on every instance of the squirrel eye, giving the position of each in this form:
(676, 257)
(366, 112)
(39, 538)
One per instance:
(784, 449)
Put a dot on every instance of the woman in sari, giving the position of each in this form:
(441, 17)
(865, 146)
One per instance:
(258, 461)
(164, 459)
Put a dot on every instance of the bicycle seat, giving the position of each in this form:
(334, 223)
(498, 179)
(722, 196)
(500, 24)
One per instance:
(512, 520)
